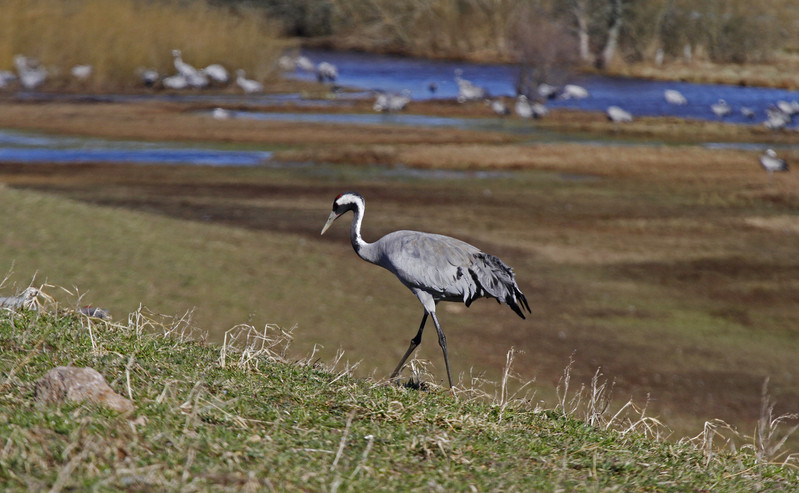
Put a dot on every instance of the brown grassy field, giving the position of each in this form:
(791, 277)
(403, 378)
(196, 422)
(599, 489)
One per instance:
(672, 268)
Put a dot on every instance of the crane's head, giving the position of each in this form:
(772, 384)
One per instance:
(344, 202)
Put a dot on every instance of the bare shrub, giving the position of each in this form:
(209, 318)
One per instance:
(437, 28)
(545, 49)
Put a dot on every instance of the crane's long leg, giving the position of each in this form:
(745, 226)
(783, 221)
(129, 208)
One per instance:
(442, 341)
(414, 342)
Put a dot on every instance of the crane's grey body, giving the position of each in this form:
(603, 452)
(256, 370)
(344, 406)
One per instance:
(618, 115)
(434, 267)
(771, 163)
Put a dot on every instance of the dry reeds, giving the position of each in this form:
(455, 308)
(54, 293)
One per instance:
(119, 37)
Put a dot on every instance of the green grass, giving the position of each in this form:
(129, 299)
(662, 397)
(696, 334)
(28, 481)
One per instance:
(255, 421)
(678, 302)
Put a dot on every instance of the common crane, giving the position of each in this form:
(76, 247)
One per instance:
(540, 110)
(304, 63)
(221, 114)
(176, 82)
(525, 109)
(789, 108)
(498, 107)
(522, 107)
(31, 74)
(776, 119)
(326, 72)
(194, 77)
(547, 91)
(391, 102)
(673, 96)
(721, 108)
(147, 76)
(434, 267)
(81, 72)
(772, 163)
(467, 91)
(217, 72)
(618, 115)
(248, 85)
(573, 91)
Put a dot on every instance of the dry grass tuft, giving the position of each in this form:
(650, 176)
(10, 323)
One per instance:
(244, 345)
(592, 405)
(770, 434)
(767, 442)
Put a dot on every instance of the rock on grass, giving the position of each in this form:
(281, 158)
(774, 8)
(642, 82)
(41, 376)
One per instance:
(71, 383)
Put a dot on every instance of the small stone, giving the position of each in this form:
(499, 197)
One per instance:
(72, 383)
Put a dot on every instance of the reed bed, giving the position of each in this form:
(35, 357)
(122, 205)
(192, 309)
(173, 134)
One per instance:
(118, 38)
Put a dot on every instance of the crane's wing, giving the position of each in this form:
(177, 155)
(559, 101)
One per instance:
(449, 269)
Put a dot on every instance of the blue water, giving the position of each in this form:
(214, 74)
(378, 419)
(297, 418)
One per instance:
(364, 119)
(638, 96)
(31, 148)
(370, 72)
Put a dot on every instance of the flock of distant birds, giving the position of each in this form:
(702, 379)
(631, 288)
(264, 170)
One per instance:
(30, 74)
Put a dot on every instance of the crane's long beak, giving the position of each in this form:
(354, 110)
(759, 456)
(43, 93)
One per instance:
(333, 216)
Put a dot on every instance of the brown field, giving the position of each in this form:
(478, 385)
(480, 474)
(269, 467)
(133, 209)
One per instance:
(673, 268)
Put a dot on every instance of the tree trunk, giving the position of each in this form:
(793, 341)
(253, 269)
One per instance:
(579, 9)
(612, 41)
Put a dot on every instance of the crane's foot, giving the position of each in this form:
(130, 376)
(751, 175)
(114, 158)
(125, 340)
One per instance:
(412, 383)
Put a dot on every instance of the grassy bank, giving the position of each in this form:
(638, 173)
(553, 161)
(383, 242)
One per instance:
(671, 267)
(118, 38)
(241, 417)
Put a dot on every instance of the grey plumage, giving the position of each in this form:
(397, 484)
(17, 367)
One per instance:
(618, 115)
(434, 267)
(771, 163)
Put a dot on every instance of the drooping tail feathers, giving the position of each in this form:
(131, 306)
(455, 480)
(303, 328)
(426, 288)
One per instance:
(495, 279)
